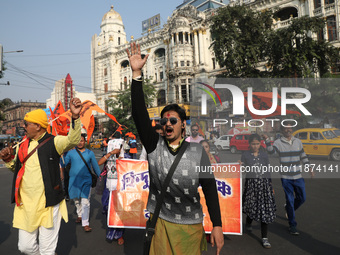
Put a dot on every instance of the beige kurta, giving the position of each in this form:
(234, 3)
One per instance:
(32, 213)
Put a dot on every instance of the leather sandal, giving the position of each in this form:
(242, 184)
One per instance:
(87, 229)
(120, 241)
(78, 220)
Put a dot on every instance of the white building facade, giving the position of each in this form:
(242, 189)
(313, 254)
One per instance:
(290, 9)
(179, 52)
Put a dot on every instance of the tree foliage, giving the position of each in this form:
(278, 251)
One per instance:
(292, 52)
(3, 104)
(239, 39)
(244, 39)
(122, 107)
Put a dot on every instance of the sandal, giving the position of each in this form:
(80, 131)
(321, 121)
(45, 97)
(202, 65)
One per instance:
(121, 241)
(87, 229)
(78, 220)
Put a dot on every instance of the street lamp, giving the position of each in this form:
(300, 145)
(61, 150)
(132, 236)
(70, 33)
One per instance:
(1, 59)
(13, 51)
(7, 83)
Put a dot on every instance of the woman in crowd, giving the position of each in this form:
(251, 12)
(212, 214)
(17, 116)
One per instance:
(80, 181)
(213, 158)
(114, 152)
(258, 195)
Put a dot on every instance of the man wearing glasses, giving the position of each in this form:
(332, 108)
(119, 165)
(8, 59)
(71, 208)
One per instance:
(194, 138)
(179, 228)
(37, 190)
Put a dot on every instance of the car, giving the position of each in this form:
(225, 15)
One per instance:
(240, 143)
(96, 144)
(336, 131)
(222, 143)
(319, 142)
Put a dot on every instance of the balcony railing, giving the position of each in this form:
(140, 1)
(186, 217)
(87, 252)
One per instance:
(329, 9)
(283, 23)
(317, 11)
(326, 10)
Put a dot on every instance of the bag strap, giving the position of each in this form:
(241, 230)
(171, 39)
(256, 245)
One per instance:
(84, 161)
(32, 152)
(165, 185)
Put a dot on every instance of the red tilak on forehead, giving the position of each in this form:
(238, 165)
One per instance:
(168, 115)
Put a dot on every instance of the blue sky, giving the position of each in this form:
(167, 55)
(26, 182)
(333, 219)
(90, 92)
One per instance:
(56, 38)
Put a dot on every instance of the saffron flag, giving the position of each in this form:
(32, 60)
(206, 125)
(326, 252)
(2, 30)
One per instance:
(200, 130)
(120, 129)
(59, 109)
(127, 206)
(59, 126)
(90, 129)
(86, 113)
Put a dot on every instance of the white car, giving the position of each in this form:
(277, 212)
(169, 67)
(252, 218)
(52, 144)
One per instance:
(222, 143)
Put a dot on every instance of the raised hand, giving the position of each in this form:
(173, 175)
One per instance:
(75, 107)
(136, 60)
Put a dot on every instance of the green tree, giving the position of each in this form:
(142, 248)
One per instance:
(3, 104)
(245, 39)
(122, 107)
(292, 52)
(239, 37)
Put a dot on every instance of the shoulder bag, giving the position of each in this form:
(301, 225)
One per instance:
(94, 176)
(150, 224)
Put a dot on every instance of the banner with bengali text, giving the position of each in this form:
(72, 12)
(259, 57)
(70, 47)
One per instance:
(127, 208)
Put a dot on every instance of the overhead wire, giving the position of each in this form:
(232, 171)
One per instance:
(31, 75)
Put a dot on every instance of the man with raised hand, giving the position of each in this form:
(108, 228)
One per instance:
(179, 228)
(37, 189)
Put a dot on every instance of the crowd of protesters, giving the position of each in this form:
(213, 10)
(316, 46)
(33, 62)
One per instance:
(40, 190)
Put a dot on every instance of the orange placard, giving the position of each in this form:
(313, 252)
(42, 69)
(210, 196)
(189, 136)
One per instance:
(228, 183)
(127, 208)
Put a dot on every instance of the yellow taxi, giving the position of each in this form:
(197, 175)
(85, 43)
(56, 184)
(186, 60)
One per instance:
(96, 144)
(336, 131)
(319, 142)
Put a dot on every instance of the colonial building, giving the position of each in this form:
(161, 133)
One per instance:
(14, 116)
(179, 52)
(288, 10)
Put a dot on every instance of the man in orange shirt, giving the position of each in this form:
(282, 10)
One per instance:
(133, 147)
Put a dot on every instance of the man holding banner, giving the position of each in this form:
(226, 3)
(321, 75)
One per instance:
(179, 228)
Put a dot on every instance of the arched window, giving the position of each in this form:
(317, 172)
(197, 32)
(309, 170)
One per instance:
(287, 13)
(160, 53)
(161, 98)
(124, 64)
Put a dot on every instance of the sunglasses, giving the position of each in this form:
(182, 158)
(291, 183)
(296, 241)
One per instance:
(27, 123)
(172, 120)
(195, 130)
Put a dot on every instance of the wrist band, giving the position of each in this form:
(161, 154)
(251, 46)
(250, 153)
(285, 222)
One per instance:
(138, 78)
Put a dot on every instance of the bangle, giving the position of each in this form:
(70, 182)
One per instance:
(105, 157)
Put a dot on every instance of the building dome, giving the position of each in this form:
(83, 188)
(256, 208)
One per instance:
(112, 15)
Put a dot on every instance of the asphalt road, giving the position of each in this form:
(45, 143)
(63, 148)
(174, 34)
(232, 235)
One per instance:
(318, 222)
